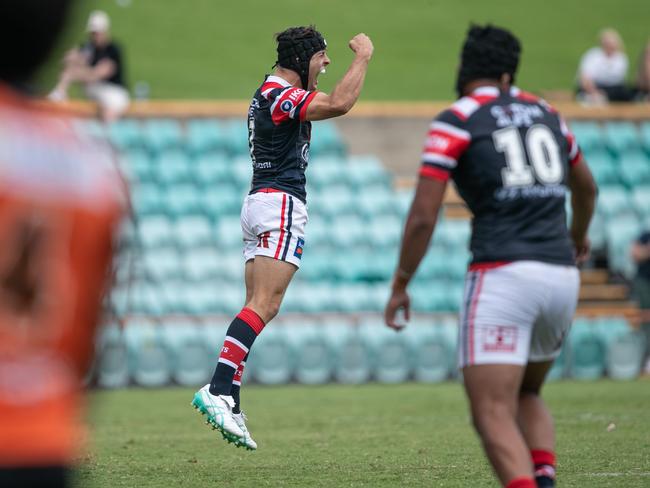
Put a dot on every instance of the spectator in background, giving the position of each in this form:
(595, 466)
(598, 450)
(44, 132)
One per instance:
(602, 71)
(640, 252)
(643, 74)
(98, 65)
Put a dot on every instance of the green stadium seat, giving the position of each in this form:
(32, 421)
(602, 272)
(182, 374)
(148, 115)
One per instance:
(126, 134)
(588, 135)
(313, 356)
(448, 328)
(212, 170)
(403, 200)
(147, 199)
(365, 171)
(381, 265)
(335, 201)
(325, 139)
(137, 166)
(202, 264)
(644, 130)
(148, 359)
(229, 233)
(353, 354)
(183, 199)
(625, 349)
(229, 299)
(161, 134)
(155, 231)
(621, 136)
(384, 231)
(430, 296)
(586, 351)
(634, 168)
(392, 353)
(432, 353)
(603, 167)
(349, 266)
(597, 232)
(620, 234)
(172, 167)
(193, 231)
(641, 199)
(162, 264)
(206, 136)
(349, 231)
(174, 295)
(324, 171)
(90, 129)
(349, 298)
(453, 234)
(188, 356)
(238, 138)
(112, 369)
(143, 298)
(614, 201)
(376, 201)
(221, 200)
(271, 358)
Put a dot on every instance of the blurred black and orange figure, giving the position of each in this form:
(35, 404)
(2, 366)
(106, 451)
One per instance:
(60, 203)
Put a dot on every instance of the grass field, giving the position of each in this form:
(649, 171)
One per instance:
(217, 49)
(357, 436)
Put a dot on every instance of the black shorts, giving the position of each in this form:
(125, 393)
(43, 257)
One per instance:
(35, 477)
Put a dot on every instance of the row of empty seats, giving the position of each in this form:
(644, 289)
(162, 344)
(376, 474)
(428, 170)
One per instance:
(314, 352)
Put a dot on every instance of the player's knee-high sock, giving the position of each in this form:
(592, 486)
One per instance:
(236, 385)
(544, 462)
(522, 483)
(241, 334)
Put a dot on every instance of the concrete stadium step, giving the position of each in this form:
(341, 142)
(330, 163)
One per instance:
(604, 292)
(594, 276)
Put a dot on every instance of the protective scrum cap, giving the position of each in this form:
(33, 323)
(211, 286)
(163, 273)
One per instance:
(296, 46)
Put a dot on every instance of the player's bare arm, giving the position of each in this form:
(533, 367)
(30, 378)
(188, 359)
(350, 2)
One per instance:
(419, 227)
(583, 201)
(347, 91)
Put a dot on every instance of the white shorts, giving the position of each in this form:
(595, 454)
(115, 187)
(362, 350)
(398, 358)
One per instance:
(516, 313)
(274, 226)
(109, 96)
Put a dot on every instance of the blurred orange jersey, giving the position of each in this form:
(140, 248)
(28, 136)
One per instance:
(60, 203)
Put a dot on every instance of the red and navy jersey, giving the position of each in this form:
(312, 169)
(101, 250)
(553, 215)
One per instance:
(278, 136)
(509, 155)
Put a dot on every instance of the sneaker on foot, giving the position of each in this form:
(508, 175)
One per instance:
(218, 410)
(246, 440)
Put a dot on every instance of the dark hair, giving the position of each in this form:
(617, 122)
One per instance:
(488, 52)
(28, 31)
(296, 46)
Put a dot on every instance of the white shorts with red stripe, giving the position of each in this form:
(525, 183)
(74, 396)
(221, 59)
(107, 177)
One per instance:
(274, 226)
(516, 313)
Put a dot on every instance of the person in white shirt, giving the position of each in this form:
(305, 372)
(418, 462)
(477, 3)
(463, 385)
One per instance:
(602, 71)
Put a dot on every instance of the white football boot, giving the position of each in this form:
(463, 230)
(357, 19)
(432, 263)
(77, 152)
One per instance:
(218, 410)
(246, 440)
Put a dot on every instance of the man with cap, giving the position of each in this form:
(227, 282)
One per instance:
(274, 213)
(98, 65)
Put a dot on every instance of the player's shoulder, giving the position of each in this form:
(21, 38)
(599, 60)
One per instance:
(528, 97)
(465, 107)
(274, 86)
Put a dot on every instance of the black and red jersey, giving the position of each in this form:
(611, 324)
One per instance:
(509, 156)
(279, 135)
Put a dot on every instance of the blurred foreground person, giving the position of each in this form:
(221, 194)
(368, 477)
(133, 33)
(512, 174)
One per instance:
(513, 160)
(59, 206)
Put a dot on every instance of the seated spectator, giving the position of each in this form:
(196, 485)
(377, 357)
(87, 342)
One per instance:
(98, 66)
(602, 71)
(640, 252)
(643, 74)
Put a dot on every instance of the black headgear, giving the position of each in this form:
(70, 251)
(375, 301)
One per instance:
(296, 46)
(488, 52)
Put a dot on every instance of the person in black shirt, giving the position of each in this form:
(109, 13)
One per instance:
(512, 159)
(98, 65)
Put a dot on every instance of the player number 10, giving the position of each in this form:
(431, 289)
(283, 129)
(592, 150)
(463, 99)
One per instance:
(543, 153)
